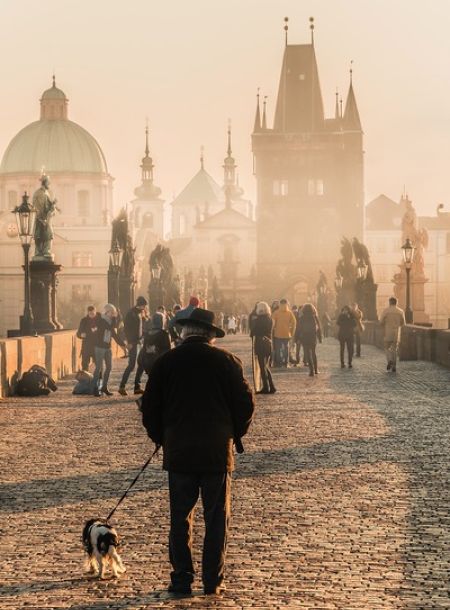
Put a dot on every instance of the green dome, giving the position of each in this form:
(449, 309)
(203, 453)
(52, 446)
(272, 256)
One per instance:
(58, 145)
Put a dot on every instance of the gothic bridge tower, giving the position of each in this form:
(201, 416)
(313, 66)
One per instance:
(309, 173)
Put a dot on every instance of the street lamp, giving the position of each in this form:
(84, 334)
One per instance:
(115, 258)
(338, 282)
(362, 271)
(26, 218)
(156, 272)
(408, 257)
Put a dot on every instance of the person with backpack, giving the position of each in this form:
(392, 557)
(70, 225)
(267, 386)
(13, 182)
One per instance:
(309, 333)
(156, 343)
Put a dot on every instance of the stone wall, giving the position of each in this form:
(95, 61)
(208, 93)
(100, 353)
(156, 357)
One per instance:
(417, 342)
(58, 352)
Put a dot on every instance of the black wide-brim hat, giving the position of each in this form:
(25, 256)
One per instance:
(202, 317)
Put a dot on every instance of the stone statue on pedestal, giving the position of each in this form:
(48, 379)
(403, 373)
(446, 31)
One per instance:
(45, 204)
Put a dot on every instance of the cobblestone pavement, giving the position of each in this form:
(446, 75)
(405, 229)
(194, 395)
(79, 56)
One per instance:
(340, 501)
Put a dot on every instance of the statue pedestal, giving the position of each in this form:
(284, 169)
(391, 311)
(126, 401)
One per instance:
(417, 294)
(43, 295)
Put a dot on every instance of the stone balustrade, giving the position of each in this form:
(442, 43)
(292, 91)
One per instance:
(417, 342)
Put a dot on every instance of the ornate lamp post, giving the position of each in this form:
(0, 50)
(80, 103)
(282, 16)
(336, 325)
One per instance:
(408, 257)
(361, 271)
(26, 218)
(115, 259)
(155, 291)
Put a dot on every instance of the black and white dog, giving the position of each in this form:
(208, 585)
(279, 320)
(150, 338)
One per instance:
(100, 542)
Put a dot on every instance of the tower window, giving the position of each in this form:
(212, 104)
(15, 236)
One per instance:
(147, 221)
(82, 259)
(83, 203)
(315, 186)
(280, 188)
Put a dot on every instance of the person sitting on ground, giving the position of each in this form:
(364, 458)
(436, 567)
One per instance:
(346, 323)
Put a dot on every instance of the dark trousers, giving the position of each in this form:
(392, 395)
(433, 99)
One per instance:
(346, 342)
(358, 344)
(87, 354)
(310, 356)
(266, 375)
(184, 490)
(132, 355)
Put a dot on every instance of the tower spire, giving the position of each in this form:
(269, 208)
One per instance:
(286, 29)
(229, 138)
(336, 109)
(229, 164)
(257, 125)
(352, 122)
(202, 157)
(264, 119)
(53, 80)
(147, 150)
(311, 27)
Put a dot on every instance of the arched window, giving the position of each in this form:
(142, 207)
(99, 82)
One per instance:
(147, 221)
(83, 203)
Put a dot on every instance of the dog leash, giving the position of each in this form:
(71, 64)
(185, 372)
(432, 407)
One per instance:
(124, 495)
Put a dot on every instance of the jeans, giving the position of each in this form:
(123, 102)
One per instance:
(266, 375)
(184, 490)
(283, 351)
(102, 354)
(132, 355)
(87, 353)
(346, 342)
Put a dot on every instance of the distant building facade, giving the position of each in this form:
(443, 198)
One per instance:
(83, 186)
(309, 173)
(383, 237)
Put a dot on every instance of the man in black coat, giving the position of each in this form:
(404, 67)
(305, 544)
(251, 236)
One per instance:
(133, 333)
(87, 332)
(197, 404)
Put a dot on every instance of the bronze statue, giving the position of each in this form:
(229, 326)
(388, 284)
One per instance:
(45, 204)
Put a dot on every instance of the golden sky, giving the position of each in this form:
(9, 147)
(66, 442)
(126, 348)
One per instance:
(189, 65)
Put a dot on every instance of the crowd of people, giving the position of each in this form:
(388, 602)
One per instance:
(198, 405)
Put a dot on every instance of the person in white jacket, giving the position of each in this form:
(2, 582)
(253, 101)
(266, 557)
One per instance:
(392, 319)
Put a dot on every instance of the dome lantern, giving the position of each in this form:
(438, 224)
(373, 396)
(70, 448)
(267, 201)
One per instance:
(53, 104)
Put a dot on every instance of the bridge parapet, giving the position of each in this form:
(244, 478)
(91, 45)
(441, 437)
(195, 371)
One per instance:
(417, 342)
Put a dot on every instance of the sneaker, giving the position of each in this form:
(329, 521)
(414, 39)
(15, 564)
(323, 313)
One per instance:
(311, 373)
(389, 365)
(122, 391)
(138, 390)
(350, 365)
(106, 392)
(97, 392)
(179, 589)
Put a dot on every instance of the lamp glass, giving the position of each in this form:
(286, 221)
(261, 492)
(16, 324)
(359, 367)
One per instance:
(408, 252)
(156, 272)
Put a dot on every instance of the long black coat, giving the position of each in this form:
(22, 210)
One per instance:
(262, 331)
(195, 403)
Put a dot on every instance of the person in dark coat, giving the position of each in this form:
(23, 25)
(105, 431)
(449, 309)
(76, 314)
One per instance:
(346, 323)
(103, 353)
(310, 332)
(197, 404)
(87, 333)
(261, 330)
(133, 333)
(156, 343)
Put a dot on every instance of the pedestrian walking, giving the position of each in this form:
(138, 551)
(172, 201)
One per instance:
(310, 333)
(106, 331)
(133, 329)
(244, 324)
(87, 330)
(391, 321)
(231, 325)
(326, 325)
(261, 332)
(196, 404)
(283, 331)
(359, 328)
(346, 324)
(156, 343)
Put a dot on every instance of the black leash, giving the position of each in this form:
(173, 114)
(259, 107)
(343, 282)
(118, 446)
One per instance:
(133, 483)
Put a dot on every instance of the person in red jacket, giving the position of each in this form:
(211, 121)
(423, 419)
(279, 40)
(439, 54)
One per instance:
(197, 405)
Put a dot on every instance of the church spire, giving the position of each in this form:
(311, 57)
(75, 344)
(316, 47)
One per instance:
(147, 190)
(147, 162)
(264, 119)
(336, 109)
(229, 164)
(257, 125)
(352, 122)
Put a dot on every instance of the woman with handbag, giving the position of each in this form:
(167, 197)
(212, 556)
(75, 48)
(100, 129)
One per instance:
(261, 333)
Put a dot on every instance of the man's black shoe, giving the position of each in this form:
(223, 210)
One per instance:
(218, 590)
(389, 365)
(179, 590)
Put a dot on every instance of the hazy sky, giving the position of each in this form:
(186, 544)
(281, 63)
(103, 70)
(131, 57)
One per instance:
(190, 64)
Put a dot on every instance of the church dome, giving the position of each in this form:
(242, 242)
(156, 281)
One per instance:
(53, 142)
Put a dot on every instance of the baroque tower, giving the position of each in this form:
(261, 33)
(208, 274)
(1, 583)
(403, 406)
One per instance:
(309, 174)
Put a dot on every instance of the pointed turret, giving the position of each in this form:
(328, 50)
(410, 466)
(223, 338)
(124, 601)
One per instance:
(352, 122)
(299, 106)
(229, 164)
(336, 109)
(264, 118)
(257, 124)
(147, 189)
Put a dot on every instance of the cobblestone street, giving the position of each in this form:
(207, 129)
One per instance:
(341, 500)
